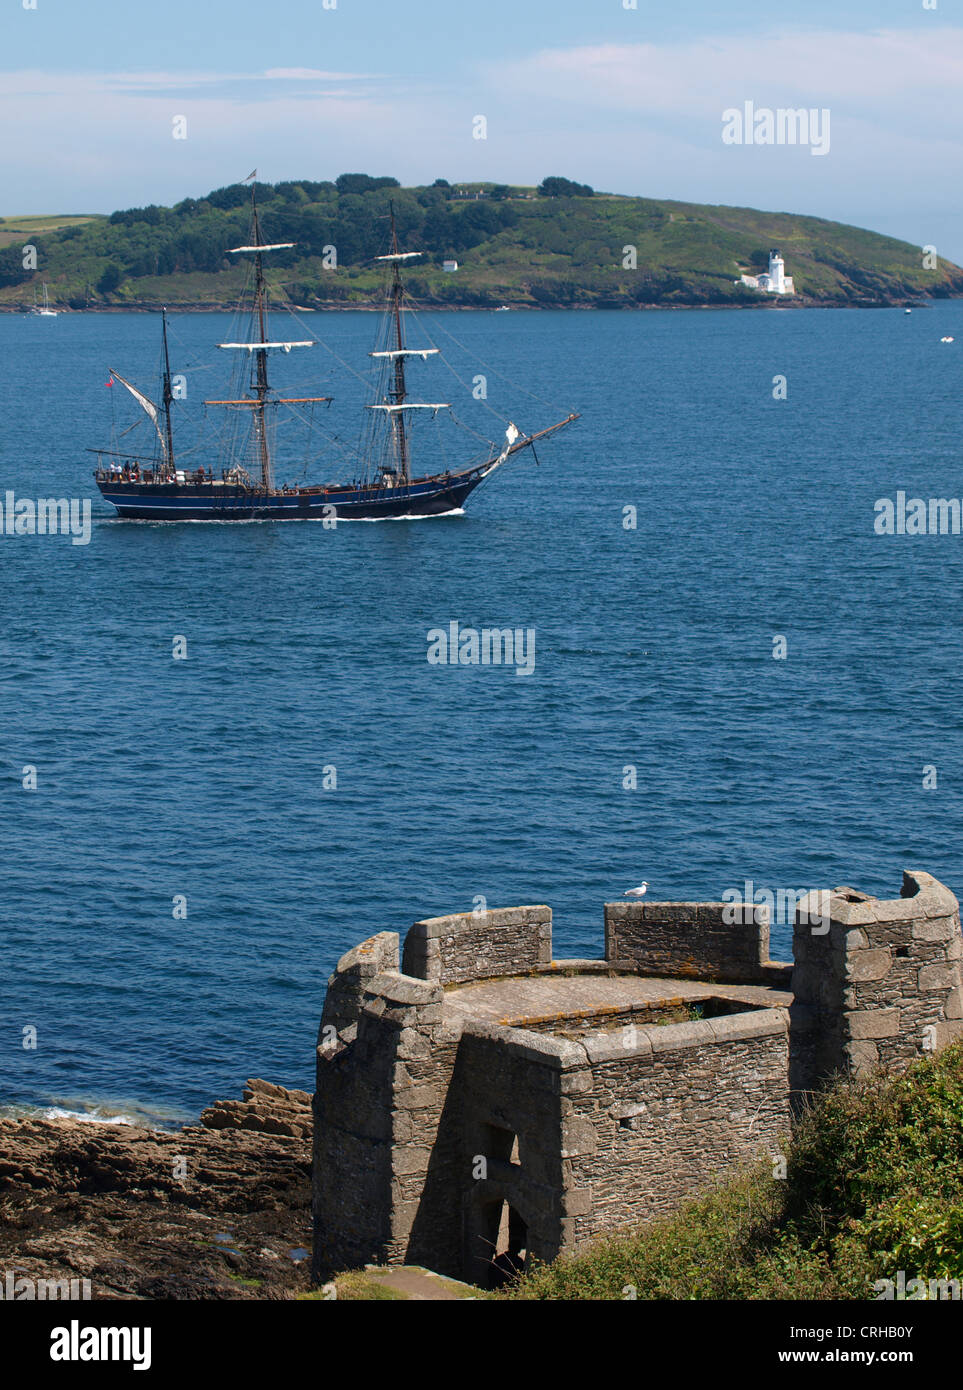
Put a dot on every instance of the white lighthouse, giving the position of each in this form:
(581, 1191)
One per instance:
(777, 273)
(773, 281)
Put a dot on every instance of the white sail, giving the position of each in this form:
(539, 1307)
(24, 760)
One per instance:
(400, 256)
(145, 402)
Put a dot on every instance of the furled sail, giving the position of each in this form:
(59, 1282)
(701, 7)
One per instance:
(423, 353)
(259, 347)
(413, 405)
(263, 246)
(511, 434)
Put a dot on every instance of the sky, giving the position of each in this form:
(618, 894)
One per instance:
(628, 99)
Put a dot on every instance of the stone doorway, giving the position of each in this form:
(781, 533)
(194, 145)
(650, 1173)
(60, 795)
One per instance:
(503, 1244)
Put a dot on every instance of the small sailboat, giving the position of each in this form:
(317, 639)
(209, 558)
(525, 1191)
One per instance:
(242, 486)
(41, 309)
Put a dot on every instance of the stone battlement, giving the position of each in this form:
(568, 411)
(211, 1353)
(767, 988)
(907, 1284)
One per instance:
(707, 941)
(880, 985)
(477, 945)
(480, 1104)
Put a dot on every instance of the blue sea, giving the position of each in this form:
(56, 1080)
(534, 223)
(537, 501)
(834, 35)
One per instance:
(307, 650)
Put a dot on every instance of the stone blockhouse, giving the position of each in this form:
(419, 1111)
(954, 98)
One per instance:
(480, 1105)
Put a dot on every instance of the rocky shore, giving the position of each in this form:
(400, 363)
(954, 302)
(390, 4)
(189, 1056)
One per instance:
(218, 1210)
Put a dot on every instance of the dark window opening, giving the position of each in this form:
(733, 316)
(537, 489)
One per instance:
(501, 1144)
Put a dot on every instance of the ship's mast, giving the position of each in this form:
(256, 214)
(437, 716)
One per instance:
(168, 398)
(399, 394)
(397, 403)
(259, 384)
(260, 347)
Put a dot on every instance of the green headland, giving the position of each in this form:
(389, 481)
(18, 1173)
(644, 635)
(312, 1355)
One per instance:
(560, 245)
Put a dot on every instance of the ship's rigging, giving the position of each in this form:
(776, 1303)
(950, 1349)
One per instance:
(386, 481)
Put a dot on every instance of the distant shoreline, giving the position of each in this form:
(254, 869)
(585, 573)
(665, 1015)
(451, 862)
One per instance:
(25, 311)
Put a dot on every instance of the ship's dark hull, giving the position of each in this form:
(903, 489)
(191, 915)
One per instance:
(140, 501)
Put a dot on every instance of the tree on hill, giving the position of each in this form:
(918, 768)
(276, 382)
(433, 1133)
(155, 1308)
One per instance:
(363, 183)
(556, 187)
(110, 279)
(11, 267)
(236, 195)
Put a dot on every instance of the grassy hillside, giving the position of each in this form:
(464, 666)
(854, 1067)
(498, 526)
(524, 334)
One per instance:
(14, 231)
(513, 246)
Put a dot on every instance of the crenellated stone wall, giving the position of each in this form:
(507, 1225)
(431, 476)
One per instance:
(480, 1105)
(878, 983)
(701, 941)
(479, 945)
(354, 971)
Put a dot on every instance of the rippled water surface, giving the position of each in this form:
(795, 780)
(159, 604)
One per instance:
(307, 650)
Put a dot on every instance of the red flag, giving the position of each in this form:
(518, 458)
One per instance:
(110, 382)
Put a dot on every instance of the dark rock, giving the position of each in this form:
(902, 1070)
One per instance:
(107, 1202)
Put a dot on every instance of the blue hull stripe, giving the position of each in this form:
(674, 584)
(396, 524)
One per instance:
(186, 502)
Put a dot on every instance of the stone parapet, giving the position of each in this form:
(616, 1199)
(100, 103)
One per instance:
(877, 983)
(704, 941)
(479, 945)
(346, 987)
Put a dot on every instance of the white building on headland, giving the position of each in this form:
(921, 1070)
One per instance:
(776, 281)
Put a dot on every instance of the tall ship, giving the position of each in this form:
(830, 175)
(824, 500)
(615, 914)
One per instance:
(242, 485)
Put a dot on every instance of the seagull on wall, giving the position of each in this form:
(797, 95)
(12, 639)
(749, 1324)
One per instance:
(637, 892)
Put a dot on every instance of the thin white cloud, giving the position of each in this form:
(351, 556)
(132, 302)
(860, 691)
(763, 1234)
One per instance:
(34, 82)
(869, 72)
(314, 75)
